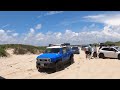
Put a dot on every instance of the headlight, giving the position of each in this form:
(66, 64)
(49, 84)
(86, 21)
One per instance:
(48, 60)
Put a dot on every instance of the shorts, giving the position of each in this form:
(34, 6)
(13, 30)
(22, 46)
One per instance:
(87, 52)
(90, 53)
(95, 54)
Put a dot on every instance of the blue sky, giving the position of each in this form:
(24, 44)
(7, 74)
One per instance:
(44, 27)
(21, 21)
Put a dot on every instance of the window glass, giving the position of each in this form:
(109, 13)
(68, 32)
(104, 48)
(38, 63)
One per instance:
(112, 49)
(64, 50)
(52, 50)
(106, 49)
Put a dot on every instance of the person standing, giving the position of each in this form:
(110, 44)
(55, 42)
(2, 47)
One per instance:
(86, 52)
(90, 51)
(95, 51)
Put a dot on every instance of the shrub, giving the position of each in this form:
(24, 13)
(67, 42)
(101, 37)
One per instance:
(19, 50)
(3, 53)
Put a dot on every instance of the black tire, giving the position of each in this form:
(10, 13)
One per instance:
(101, 55)
(71, 60)
(40, 69)
(118, 56)
(59, 66)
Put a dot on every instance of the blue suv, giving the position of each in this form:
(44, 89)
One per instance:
(55, 57)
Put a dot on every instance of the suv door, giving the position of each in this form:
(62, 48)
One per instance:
(64, 56)
(112, 53)
(105, 51)
(68, 53)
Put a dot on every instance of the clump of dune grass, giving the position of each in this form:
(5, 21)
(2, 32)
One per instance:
(21, 49)
(24, 49)
(3, 53)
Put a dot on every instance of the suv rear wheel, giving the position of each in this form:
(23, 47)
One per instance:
(71, 60)
(59, 66)
(101, 55)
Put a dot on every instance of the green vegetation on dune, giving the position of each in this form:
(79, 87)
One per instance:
(112, 43)
(108, 43)
(3, 53)
(21, 49)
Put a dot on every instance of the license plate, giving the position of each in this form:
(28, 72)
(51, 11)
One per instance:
(42, 65)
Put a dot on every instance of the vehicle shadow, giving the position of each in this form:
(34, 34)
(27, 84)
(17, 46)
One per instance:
(2, 77)
(50, 71)
(108, 58)
(46, 70)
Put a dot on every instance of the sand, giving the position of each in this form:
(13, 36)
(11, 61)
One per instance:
(24, 67)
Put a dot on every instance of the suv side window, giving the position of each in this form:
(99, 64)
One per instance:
(106, 49)
(64, 50)
(68, 49)
(112, 49)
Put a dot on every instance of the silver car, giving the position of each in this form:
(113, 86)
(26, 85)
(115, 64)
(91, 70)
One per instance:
(110, 52)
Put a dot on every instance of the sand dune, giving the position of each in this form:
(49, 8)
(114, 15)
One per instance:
(24, 67)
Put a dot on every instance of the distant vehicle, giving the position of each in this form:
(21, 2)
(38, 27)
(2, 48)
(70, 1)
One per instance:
(67, 44)
(54, 45)
(75, 50)
(64, 44)
(110, 52)
(55, 57)
(83, 47)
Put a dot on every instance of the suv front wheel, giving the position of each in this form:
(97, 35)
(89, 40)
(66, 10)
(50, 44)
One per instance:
(101, 55)
(71, 60)
(59, 66)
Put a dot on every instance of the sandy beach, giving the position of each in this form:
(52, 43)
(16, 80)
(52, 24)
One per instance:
(24, 67)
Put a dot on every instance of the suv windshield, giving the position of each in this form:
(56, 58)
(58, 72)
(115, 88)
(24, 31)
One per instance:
(52, 50)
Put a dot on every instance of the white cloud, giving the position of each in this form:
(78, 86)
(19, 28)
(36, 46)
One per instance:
(9, 31)
(6, 38)
(15, 34)
(29, 35)
(65, 23)
(6, 25)
(38, 26)
(49, 13)
(107, 19)
(70, 36)
(2, 31)
(39, 16)
(32, 30)
(95, 16)
(53, 12)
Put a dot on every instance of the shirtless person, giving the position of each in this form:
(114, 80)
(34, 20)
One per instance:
(86, 52)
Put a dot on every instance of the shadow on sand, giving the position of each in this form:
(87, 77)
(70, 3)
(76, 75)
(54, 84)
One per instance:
(50, 71)
(2, 77)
